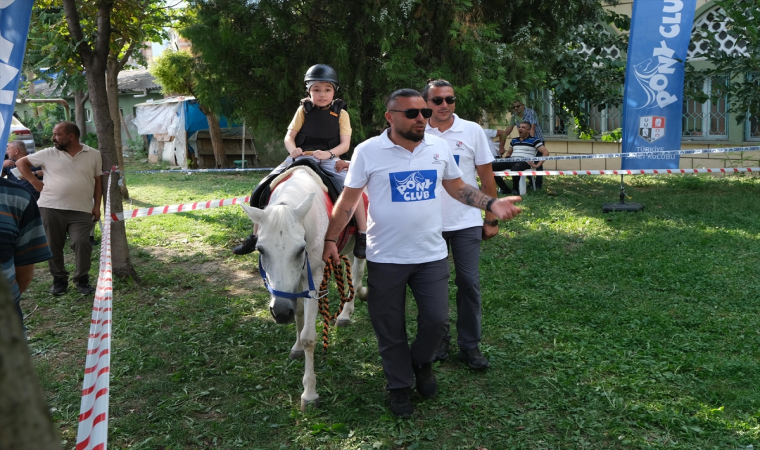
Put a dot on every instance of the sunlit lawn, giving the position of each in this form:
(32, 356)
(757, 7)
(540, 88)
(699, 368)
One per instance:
(638, 330)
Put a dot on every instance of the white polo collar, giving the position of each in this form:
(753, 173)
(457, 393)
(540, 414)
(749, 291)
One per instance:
(456, 127)
(385, 141)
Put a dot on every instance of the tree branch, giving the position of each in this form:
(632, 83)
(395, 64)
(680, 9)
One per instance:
(75, 29)
(127, 54)
(103, 40)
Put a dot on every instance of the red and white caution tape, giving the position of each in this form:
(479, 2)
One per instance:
(510, 173)
(170, 209)
(93, 413)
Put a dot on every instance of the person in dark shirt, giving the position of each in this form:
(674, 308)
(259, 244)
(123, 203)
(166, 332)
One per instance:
(22, 239)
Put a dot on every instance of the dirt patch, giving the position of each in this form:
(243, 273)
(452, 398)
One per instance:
(217, 266)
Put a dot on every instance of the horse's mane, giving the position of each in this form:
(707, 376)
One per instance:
(292, 192)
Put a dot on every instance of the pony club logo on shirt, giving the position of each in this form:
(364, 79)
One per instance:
(413, 186)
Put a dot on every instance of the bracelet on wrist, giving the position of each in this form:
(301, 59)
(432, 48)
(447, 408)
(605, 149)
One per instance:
(488, 205)
(331, 240)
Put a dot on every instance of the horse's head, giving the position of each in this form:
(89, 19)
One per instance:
(282, 245)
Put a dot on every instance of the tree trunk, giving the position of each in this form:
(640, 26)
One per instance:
(122, 264)
(24, 415)
(112, 87)
(81, 117)
(220, 160)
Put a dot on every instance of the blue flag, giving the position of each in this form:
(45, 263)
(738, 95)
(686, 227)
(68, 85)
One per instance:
(653, 96)
(14, 27)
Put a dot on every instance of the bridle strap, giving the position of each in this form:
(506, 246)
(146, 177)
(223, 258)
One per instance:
(290, 295)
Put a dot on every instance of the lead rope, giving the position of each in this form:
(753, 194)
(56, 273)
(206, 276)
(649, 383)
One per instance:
(324, 301)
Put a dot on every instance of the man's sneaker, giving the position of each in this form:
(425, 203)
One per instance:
(60, 286)
(442, 354)
(426, 384)
(360, 246)
(248, 245)
(401, 403)
(473, 358)
(85, 289)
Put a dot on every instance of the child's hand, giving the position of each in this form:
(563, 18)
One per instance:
(296, 152)
(321, 154)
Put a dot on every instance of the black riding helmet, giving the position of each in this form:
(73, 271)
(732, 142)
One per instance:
(321, 72)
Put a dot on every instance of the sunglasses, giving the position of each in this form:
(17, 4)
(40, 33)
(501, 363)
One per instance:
(438, 100)
(516, 106)
(412, 113)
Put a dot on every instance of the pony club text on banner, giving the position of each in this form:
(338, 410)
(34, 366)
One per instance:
(14, 27)
(653, 96)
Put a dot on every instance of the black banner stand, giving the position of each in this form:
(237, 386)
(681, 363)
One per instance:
(622, 206)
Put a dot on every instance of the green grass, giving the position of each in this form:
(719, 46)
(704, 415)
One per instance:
(603, 331)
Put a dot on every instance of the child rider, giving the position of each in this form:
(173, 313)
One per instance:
(320, 130)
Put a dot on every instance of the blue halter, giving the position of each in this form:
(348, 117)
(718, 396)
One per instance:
(291, 295)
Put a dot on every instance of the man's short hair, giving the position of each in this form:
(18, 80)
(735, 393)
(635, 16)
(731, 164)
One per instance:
(434, 82)
(406, 93)
(70, 128)
(525, 122)
(20, 146)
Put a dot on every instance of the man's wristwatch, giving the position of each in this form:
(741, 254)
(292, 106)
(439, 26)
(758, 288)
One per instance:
(332, 155)
(493, 223)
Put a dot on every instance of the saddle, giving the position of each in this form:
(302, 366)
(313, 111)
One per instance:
(330, 185)
(260, 195)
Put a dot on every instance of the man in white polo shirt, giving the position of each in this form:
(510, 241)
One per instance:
(69, 202)
(405, 172)
(463, 225)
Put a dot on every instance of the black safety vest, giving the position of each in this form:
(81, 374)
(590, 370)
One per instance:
(321, 127)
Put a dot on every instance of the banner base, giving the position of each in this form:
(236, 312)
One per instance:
(615, 207)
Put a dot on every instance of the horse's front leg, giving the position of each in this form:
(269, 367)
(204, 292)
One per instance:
(344, 319)
(297, 351)
(309, 341)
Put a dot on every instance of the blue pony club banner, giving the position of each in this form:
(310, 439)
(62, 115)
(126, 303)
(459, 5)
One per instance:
(653, 96)
(14, 27)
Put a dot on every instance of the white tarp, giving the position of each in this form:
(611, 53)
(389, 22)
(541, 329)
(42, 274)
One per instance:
(161, 118)
(166, 118)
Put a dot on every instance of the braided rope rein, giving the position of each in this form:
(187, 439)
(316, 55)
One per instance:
(324, 301)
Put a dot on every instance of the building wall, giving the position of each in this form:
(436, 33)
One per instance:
(571, 145)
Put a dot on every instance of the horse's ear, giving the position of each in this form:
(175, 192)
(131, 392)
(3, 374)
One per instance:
(256, 214)
(303, 208)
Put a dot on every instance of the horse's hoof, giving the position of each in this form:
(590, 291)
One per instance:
(362, 294)
(296, 354)
(306, 404)
(343, 323)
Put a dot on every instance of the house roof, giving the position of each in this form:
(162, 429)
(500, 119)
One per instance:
(136, 80)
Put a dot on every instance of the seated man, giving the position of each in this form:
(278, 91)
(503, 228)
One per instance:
(15, 151)
(523, 146)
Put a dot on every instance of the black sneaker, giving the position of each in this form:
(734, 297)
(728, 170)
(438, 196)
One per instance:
(401, 403)
(473, 358)
(60, 286)
(515, 192)
(426, 384)
(360, 246)
(85, 289)
(442, 354)
(248, 245)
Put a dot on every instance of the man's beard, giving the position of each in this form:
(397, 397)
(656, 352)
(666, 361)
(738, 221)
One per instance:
(60, 146)
(411, 135)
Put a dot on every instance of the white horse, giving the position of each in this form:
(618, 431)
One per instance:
(290, 230)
